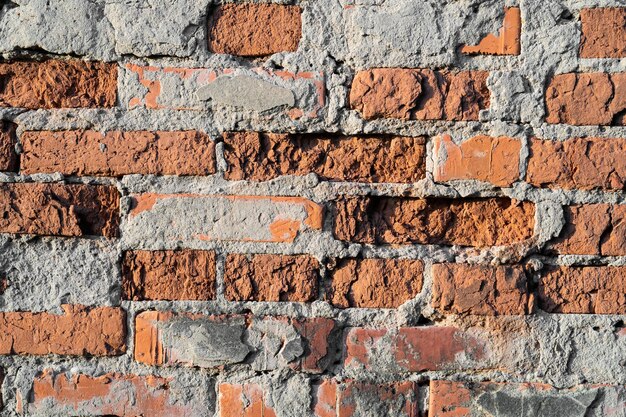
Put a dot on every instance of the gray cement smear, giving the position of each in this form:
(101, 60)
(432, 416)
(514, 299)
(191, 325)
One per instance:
(339, 38)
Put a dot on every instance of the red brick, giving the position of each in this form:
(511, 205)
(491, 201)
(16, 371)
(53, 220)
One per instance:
(213, 341)
(355, 398)
(59, 209)
(586, 99)
(79, 331)
(412, 349)
(108, 394)
(168, 275)
(376, 283)
(419, 94)
(8, 157)
(264, 156)
(254, 29)
(583, 290)
(582, 163)
(270, 278)
(470, 222)
(592, 229)
(57, 84)
(480, 289)
(507, 42)
(481, 158)
(118, 153)
(244, 400)
(603, 32)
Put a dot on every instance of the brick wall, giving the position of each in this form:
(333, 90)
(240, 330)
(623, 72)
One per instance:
(325, 208)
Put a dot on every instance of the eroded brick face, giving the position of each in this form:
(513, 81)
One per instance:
(59, 209)
(254, 29)
(580, 163)
(168, 275)
(586, 99)
(264, 156)
(376, 283)
(603, 32)
(472, 222)
(58, 84)
(270, 278)
(480, 290)
(419, 94)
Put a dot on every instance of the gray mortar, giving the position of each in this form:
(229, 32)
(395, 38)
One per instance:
(563, 350)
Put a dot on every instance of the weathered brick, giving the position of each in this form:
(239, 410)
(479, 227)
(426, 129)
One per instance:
(482, 158)
(264, 343)
(507, 42)
(465, 399)
(117, 153)
(603, 32)
(254, 29)
(220, 217)
(412, 349)
(376, 283)
(419, 94)
(56, 84)
(109, 394)
(263, 90)
(264, 156)
(98, 331)
(480, 289)
(168, 275)
(592, 229)
(470, 222)
(59, 209)
(583, 290)
(355, 398)
(586, 99)
(270, 278)
(582, 163)
(8, 157)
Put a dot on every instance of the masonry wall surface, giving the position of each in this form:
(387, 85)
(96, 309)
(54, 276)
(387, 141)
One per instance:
(329, 208)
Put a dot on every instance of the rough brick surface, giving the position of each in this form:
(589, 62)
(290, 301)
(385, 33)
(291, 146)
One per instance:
(79, 331)
(270, 278)
(603, 32)
(110, 394)
(264, 156)
(586, 99)
(376, 283)
(583, 290)
(419, 94)
(168, 275)
(581, 163)
(118, 153)
(474, 222)
(8, 157)
(57, 84)
(477, 289)
(482, 158)
(290, 208)
(59, 209)
(254, 29)
(593, 229)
